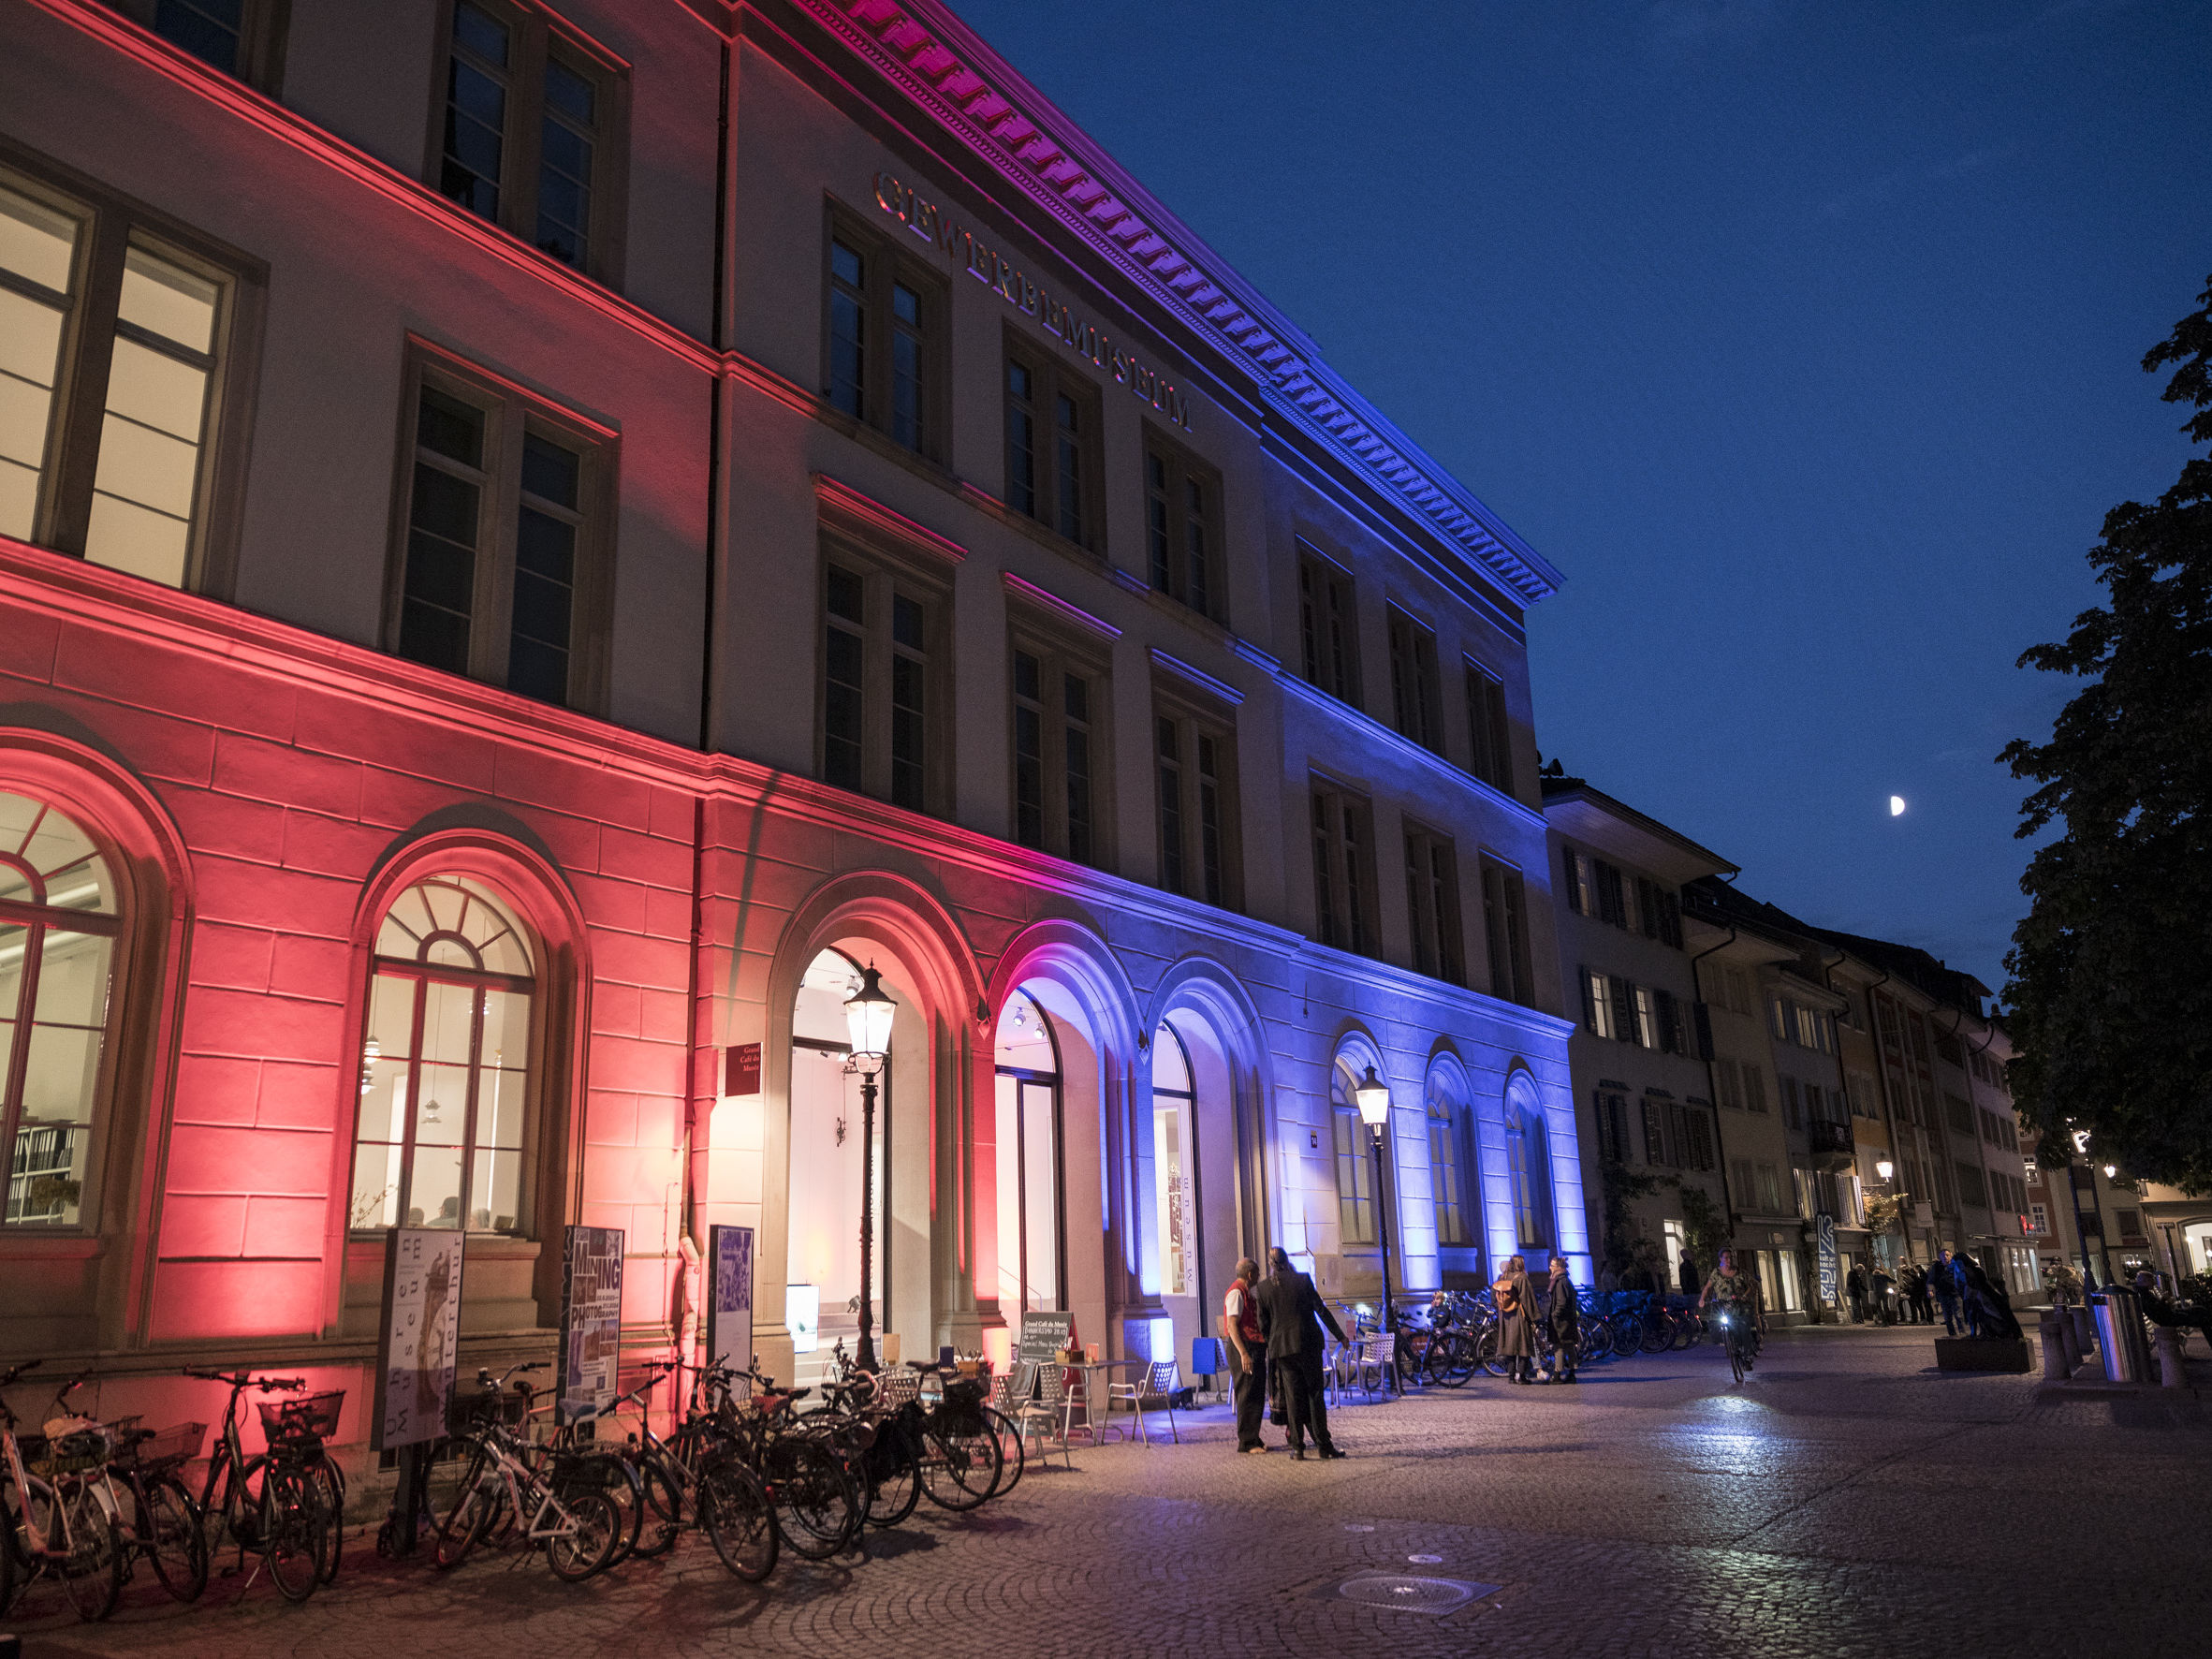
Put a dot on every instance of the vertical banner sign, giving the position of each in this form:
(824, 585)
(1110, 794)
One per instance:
(729, 1296)
(591, 1318)
(1825, 1232)
(420, 1330)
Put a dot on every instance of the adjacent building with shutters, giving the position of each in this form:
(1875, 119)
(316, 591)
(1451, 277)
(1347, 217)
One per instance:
(1640, 1080)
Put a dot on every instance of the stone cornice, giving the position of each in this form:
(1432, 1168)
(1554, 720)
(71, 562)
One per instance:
(944, 69)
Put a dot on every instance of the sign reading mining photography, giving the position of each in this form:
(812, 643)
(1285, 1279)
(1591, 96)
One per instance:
(591, 1318)
(1044, 1333)
(729, 1296)
(1824, 1233)
(421, 1329)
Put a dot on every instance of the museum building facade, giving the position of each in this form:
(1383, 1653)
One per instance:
(537, 544)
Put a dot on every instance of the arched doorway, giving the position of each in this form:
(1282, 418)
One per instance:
(1029, 1135)
(822, 1295)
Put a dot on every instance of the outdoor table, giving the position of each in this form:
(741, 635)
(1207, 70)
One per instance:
(1097, 1408)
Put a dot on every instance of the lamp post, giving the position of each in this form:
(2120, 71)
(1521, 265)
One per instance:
(868, 1023)
(1373, 1097)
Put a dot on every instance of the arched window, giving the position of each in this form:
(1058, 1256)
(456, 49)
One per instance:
(60, 922)
(445, 1128)
(1530, 1172)
(1174, 1162)
(1443, 1164)
(1355, 1175)
(1028, 1161)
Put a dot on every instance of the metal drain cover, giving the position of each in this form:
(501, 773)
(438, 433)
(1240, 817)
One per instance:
(1410, 1593)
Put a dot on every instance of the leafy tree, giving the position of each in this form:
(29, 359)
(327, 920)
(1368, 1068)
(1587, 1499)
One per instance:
(2111, 969)
(1621, 1186)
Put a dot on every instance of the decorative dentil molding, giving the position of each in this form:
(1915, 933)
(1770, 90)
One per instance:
(944, 67)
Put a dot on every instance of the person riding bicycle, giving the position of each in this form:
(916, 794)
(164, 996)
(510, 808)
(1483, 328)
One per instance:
(1736, 1296)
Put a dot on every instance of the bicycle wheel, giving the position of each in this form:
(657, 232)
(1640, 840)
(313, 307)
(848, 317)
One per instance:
(463, 1524)
(895, 1476)
(1012, 1459)
(1651, 1332)
(1735, 1359)
(664, 1507)
(816, 1507)
(328, 1483)
(1452, 1359)
(740, 1520)
(14, 1569)
(588, 1539)
(171, 1537)
(617, 1478)
(91, 1571)
(294, 1532)
(1485, 1352)
(960, 1468)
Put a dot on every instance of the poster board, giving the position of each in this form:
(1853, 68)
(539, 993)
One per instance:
(418, 1334)
(729, 1296)
(1044, 1332)
(591, 1318)
(1824, 1233)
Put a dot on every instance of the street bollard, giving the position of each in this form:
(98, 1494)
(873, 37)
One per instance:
(2055, 1368)
(2085, 1329)
(2166, 1338)
(2068, 1346)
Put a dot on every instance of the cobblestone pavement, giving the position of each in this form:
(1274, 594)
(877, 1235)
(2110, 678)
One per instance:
(1847, 1501)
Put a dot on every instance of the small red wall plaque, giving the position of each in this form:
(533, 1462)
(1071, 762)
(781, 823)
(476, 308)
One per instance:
(742, 1069)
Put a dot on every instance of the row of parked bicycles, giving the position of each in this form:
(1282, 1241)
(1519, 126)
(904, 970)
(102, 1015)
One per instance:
(1448, 1339)
(756, 1468)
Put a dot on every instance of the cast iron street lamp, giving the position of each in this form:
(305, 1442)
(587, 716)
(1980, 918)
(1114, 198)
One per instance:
(1373, 1097)
(867, 1022)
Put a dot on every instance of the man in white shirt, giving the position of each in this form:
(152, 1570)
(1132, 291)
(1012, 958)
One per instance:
(1248, 1354)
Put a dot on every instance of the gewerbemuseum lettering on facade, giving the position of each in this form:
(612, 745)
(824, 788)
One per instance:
(503, 623)
(995, 271)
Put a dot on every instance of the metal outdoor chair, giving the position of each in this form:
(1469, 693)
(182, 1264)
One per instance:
(1154, 1391)
(1374, 1368)
(1040, 1410)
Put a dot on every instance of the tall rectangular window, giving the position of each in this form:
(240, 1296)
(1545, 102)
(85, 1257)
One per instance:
(881, 715)
(525, 129)
(505, 538)
(1183, 528)
(1344, 869)
(1597, 1004)
(1053, 430)
(115, 344)
(243, 38)
(1356, 1198)
(1328, 636)
(1491, 730)
(1505, 929)
(1195, 767)
(1059, 712)
(1576, 882)
(1416, 697)
(883, 346)
(1432, 903)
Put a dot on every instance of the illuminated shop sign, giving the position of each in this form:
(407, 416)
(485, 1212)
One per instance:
(934, 224)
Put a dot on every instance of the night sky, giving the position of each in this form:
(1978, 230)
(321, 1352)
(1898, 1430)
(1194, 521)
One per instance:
(1803, 338)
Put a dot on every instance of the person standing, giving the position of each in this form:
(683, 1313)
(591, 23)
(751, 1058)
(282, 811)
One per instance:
(1516, 1321)
(1944, 1281)
(1292, 1315)
(1855, 1286)
(1686, 1274)
(1247, 1352)
(1884, 1292)
(1562, 1313)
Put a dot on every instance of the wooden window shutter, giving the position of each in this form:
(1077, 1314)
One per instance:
(1654, 1134)
(1624, 1009)
(1573, 888)
(1701, 1016)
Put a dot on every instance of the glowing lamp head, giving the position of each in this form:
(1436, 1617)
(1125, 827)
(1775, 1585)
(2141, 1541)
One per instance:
(1884, 1168)
(868, 1019)
(2110, 1170)
(1373, 1097)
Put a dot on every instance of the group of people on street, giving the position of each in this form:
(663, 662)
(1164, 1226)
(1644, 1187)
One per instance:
(1537, 1317)
(1973, 1302)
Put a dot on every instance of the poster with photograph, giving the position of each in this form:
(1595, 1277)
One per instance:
(420, 1331)
(729, 1296)
(591, 1318)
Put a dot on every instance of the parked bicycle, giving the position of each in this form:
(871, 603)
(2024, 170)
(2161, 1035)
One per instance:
(276, 1505)
(57, 1526)
(506, 1489)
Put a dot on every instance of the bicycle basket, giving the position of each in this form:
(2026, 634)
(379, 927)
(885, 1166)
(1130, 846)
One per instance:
(308, 1416)
(962, 1411)
(179, 1444)
(73, 1444)
(477, 1408)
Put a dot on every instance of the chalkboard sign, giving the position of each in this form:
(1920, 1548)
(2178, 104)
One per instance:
(591, 1318)
(422, 1331)
(1044, 1333)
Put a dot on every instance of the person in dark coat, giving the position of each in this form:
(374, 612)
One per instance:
(1562, 1316)
(1990, 1309)
(1884, 1293)
(1943, 1281)
(1512, 1295)
(1686, 1275)
(1292, 1315)
(1855, 1286)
